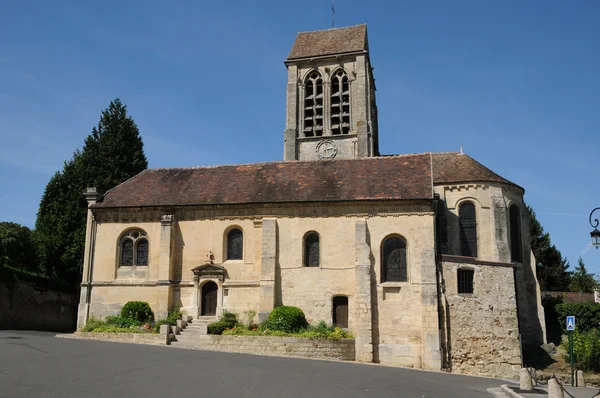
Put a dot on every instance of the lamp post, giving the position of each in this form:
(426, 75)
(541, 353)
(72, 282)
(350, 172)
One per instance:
(595, 234)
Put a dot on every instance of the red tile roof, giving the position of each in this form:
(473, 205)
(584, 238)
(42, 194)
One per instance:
(402, 177)
(396, 178)
(453, 167)
(330, 41)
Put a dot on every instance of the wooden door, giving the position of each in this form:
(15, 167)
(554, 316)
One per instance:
(340, 311)
(209, 299)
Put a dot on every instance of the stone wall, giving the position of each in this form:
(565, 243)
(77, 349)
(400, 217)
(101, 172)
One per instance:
(342, 349)
(482, 328)
(138, 338)
(26, 307)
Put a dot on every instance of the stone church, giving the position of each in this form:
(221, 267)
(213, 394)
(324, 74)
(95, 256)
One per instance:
(425, 257)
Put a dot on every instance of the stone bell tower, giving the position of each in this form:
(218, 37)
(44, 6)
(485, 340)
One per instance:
(331, 110)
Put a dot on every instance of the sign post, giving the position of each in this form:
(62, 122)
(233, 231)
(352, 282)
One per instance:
(570, 328)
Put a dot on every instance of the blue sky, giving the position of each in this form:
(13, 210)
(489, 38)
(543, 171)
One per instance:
(516, 83)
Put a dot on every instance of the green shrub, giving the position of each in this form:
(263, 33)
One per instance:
(286, 319)
(157, 325)
(173, 317)
(587, 315)
(228, 320)
(93, 323)
(122, 322)
(139, 310)
(586, 350)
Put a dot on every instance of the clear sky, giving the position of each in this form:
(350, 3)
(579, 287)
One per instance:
(517, 83)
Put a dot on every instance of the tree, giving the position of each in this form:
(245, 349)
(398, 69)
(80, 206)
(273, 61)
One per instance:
(581, 280)
(552, 268)
(111, 154)
(17, 247)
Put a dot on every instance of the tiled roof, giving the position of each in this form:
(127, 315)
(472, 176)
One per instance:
(383, 178)
(330, 41)
(454, 167)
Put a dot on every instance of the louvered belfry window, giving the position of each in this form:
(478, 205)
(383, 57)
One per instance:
(468, 230)
(235, 244)
(394, 265)
(134, 249)
(465, 281)
(313, 105)
(311, 250)
(340, 103)
(516, 250)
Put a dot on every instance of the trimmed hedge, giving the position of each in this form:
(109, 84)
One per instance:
(286, 319)
(228, 320)
(587, 315)
(138, 310)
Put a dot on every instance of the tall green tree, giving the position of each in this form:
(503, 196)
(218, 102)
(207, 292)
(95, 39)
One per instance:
(581, 280)
(111, 154)
(17, 247)
(552, 268)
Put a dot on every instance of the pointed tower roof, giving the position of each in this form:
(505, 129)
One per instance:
(319, 43)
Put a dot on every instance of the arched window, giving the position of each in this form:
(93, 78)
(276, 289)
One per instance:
(516, 249)
(311, 250)
(134, 249)
(468, 229)
(393, 264)
(313, 105)
(340, 311)
(235, 244)
(340, 103)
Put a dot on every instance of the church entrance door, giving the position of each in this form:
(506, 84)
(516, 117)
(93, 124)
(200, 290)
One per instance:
(209, 299)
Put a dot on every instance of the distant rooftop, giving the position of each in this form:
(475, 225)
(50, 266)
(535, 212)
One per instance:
(328, 42)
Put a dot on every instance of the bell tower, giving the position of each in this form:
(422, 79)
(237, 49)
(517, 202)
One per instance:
(330, 104)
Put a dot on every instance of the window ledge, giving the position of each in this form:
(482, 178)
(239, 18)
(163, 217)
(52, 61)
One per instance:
(394, 284)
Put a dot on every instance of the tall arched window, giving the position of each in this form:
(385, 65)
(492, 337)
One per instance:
(468, 229)
(313, 105)
(235, 244)
(134, 249)
(516, 248)
(393, 262)
(311, 250)
(340, 103)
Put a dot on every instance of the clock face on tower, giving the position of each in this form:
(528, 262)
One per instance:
(326, 149)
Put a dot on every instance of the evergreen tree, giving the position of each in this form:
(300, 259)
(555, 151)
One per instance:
(581, 280)
(552, 268)
(17, 247)
(112, 153)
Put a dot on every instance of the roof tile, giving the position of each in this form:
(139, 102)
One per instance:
(330, 41)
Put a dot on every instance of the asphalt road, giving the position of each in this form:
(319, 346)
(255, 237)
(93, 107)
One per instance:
(36, 364)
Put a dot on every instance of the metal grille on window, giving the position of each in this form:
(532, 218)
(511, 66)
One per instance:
(313, 105)
(142, 252)
(127, 252)
(340, 103)
(465, 281)
(311, 250)
(516, 250)
(468, 230)
(235, 244)
(394, 260)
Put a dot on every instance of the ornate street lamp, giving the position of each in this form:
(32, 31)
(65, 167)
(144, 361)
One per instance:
(595, 234)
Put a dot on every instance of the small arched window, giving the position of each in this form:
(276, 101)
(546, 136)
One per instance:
(340, 103)
(134, 249)
(468, 229)
(312, 249)
(313, 105)
(393, 264)
(235, 244)
(516, 249)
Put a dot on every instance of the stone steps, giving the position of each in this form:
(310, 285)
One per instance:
(192, 332)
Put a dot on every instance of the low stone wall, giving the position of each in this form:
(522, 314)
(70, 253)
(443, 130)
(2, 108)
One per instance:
(342, 349)
(139, 338)
(24, 306)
